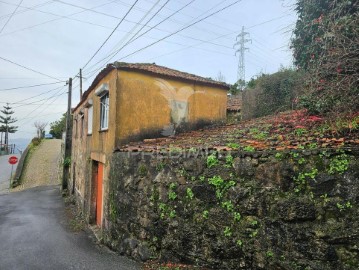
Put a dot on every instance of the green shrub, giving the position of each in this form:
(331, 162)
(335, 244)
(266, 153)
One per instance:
(36, 141)
(272, 93)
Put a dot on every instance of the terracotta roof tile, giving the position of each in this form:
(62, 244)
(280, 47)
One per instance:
(161, 70)
(153, 69)
(234, 103)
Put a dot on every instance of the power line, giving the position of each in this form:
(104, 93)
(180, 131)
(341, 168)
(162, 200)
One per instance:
(111, 33)
(56, 96)
(216, 38)
(26, 104)
(11, 16)
(265, 22)
(134, 38)
(34, 102)
(22, 11)
(60, 17)
(40, 94)
(29, 86)
(42, 115)
(115, 17)
(181, 29)
(38, 72)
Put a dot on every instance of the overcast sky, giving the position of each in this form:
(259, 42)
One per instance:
(57, 38)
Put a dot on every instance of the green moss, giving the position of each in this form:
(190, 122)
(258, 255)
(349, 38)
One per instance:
(142, 170)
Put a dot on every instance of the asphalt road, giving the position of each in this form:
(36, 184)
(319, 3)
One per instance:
(34, 234)
(5, 171)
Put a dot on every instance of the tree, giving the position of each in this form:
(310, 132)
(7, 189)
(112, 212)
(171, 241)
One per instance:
(40, 128)
(220, 77)
(58, 127)
(6, 120)
(237, 87)
(271, 93)
(325, 45)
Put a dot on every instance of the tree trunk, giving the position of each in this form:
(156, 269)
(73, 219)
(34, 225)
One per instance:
(6, 136)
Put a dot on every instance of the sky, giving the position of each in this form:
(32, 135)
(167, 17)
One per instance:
(43, 43)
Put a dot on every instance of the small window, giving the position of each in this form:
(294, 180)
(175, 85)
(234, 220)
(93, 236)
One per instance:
(104, 100)
(89, 120)
(82, 125)
(75, 126)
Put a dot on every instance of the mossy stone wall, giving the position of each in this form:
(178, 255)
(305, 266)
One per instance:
(285, 210)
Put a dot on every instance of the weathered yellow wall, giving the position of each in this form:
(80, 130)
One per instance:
(147, 104)
(98, 146)
(139, 104)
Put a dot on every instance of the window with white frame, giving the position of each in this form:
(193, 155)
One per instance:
(89, 120)
(104, 101)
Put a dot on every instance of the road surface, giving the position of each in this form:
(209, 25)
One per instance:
(34, 234)
(5, 171)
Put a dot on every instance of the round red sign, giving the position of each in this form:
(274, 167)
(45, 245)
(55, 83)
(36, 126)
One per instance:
(13, 160)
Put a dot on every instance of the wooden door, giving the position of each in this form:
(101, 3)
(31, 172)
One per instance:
(99, 194)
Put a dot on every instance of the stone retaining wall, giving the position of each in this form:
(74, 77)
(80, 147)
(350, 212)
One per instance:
(285, 210)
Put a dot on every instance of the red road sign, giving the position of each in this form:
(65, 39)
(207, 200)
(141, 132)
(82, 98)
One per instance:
(13, 160)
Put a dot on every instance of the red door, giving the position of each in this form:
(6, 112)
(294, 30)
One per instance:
(99, 194)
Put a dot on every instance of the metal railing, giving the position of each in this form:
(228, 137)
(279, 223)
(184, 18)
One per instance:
(7, 149)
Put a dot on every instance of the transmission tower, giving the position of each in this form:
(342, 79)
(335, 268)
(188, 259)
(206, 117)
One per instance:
(241, 40)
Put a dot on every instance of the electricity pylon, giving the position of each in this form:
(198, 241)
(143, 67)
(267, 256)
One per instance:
(241, 40)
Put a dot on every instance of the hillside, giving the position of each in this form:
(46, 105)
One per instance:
(287, 130)
(41, 166)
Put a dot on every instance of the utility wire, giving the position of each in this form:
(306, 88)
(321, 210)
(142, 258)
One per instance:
(22, 11)
(218, 37)
(183, 28)
(56, 96)
(11, 16)
(47, 106)
(134, 38)
(116, 17)
(143, 26)
(43, 115)
(133, 5)
(38, 72)
(60, 17)
(21, 104)
(39, 94)
(34, 102)
(178, 31)
(28, 118)
(29, 86)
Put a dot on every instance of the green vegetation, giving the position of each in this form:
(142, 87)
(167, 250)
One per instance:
(212, 160)
(67, 162)
(272, 93)
(339, 164)
(58, 127)
(227, 231)
(229, 161)
(190, 194)
(344, 206)
(172, 194)
(249, 148)
(142, 170)
(6, 121)
(325, 47)
(234, 146)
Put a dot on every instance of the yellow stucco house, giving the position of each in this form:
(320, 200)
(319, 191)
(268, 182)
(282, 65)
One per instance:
(131, 102)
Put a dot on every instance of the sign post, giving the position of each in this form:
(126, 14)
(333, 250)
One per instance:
(12, 160)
